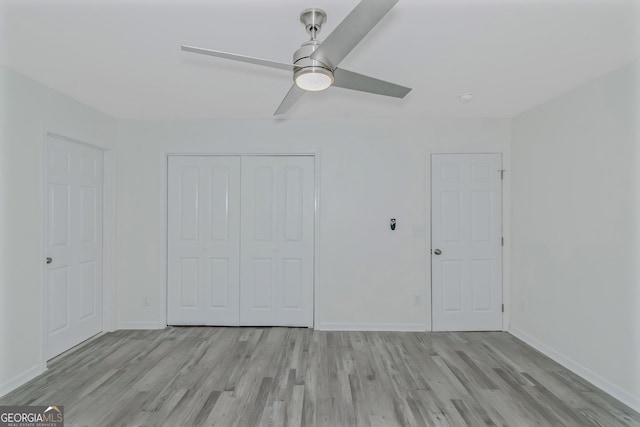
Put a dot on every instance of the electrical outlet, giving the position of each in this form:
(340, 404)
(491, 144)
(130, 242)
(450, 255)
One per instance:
(145, 302)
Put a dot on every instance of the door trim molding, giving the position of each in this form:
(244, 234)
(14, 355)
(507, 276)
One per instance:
(164, 223)
(506, 233)
(108, 236)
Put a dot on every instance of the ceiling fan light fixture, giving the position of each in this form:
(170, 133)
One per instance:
(315, 62)
(313, 79)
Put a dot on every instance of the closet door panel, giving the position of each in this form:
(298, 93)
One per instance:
(278, 199)
(203, 240)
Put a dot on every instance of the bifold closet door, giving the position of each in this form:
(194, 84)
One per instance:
(203, 240)
(276, 279)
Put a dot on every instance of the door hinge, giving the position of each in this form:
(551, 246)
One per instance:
(503, 308)
(502, 241)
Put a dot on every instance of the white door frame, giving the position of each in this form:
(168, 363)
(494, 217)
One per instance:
(164, 200)
(506, 233)
(108, 237)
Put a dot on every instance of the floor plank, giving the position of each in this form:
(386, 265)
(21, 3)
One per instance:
(197, 376)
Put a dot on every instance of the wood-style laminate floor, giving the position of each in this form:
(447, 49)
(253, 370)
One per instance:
(280, 376)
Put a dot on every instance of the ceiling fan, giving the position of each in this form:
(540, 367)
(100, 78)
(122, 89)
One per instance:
(315, 64)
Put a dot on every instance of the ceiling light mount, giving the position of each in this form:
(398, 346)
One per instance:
(465, 98)
(313, 19)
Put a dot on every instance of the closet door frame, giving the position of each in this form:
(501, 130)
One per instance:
(164, 200)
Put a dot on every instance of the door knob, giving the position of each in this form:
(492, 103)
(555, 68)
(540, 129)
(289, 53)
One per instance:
(437, 251)
(49, 260)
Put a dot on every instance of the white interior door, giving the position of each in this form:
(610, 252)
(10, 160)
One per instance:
(278, 200)
(73, 290)
(466, 242)
(203, 240)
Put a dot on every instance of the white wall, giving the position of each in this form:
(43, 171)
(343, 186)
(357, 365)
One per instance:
(27, 111)
(575, 229)
(370, 171)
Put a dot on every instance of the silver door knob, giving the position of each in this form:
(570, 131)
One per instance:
(437, 251)
(49, 260)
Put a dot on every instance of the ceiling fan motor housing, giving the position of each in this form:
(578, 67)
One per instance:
(310, 69)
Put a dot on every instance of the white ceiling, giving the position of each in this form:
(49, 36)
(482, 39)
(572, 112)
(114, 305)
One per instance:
(123, 57)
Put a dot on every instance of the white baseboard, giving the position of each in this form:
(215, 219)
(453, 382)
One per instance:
(602, 383)
(381, 327)
(21, 379)
(140, 325)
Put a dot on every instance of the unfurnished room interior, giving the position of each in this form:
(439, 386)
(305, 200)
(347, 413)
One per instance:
(286, 212)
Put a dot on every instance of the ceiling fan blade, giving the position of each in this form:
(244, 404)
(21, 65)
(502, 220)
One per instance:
(355, 81)
(352, 30)
(290, 98)
(241, 58)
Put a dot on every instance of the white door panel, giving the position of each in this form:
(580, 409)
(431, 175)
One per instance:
(74, 243)
(241, 240)
(277, 240)
(466, 228)
(257, 296)
(204, 240)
